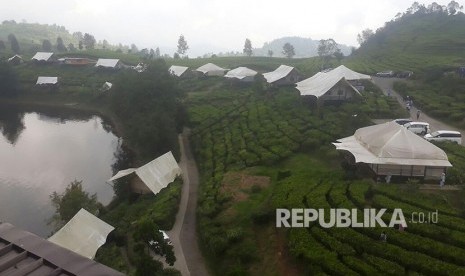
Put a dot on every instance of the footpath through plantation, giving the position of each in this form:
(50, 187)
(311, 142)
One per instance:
(261, 150)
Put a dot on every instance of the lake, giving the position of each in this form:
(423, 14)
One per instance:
(42, 152)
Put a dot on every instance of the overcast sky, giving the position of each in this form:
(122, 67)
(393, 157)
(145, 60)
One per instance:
(209, 25)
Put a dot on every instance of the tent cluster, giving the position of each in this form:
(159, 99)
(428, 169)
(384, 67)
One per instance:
(391, 149)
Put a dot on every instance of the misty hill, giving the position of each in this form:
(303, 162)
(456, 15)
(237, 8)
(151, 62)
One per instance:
(414, 42)
(34, 33)
(304, 47)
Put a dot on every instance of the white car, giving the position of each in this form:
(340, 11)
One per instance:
(418, 127)
(165, 237)
(444, 135)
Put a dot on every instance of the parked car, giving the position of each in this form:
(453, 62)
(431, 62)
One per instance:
(418, 127)
(445, 135)
(405, 74)
(402, 121)
(385, 74)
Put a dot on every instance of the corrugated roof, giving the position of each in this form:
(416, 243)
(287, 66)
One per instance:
(42, 56)
(23, 253)
(240, 73)
(107, 63)
(281, 72)
(47, 80)
(177, 70)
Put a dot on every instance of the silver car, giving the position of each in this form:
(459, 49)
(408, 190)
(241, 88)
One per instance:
(445, 135)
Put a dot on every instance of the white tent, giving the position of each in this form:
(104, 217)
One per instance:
(83, 234)
(47, 80)
(348, 74)
(15, 59)
(107, 63)
(106, 86)
(211, 69)
(281, 72)
(177, 70)
(393, 144)
(42, 56)
(321, 83)
(241, 73)
(156, 174)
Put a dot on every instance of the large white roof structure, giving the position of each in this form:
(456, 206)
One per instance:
(321, 83)
(177, 70)
(83, 234)
(47, 80)
(281, 72)
(240, 73)
(42, 56)
(348, 74)
(391, 143)
(107, 63)
(156, 174)
(211, 69)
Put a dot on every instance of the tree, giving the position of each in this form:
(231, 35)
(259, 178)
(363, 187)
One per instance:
(105, 44)
(176, 56)
(71, 201)
(89, 41)
(60, 45)
(78, 36)
(326, 50)
(364, 36)
(453, 7)
(157, 53)
(134, 48)
(339, 55)
(14, 43)
(151, 53)
(2, 45)
(270, 53)
(71, 47)
(182, 45)
(80, 45)
(46, 45)
(8, 80)
(288, 50)
(248, 47)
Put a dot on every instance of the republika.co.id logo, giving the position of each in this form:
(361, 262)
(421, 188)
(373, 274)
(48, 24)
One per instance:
(339, 217)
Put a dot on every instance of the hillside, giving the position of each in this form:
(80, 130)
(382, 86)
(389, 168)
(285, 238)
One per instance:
(304, 47)
(415, 42)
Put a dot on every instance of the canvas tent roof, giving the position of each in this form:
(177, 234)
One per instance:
(107, 86)
(42, 56)
(83, 234)
(391, 143)
(107, 63)
(47, 80)
(209, 67)
(348, 74)
(240, 73)
(156, 174)
(281, 72)
(320, 83)
(177, 70)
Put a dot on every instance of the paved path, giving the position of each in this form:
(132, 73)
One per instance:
(386, 85)
(183, 235)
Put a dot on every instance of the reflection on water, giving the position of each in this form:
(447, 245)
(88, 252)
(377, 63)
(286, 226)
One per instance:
(42, 152)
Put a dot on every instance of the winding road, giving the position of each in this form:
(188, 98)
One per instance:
(189, 259)
(386, 84)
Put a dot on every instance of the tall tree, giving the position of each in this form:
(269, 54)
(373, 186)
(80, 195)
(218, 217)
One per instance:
(453, 7)
(14, 43)
(288, 50)
(151, 53)
(46, 45)
(270, 53)
(60, 45)
(134, 48)
(71, 47)
(326, 49)
(248, 47)
(2, 45)
(364, 36)
(80, 45)
(8, 80)
(105, 44)
(182, 45)
(157, 53)
(89, 41)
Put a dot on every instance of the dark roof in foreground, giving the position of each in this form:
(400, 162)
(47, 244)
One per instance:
(23, 253)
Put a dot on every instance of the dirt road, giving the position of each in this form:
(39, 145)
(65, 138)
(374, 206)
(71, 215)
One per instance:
(184, 233)
(386, 85)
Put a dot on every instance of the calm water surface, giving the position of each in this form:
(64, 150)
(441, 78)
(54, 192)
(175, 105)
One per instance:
(42, 152)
